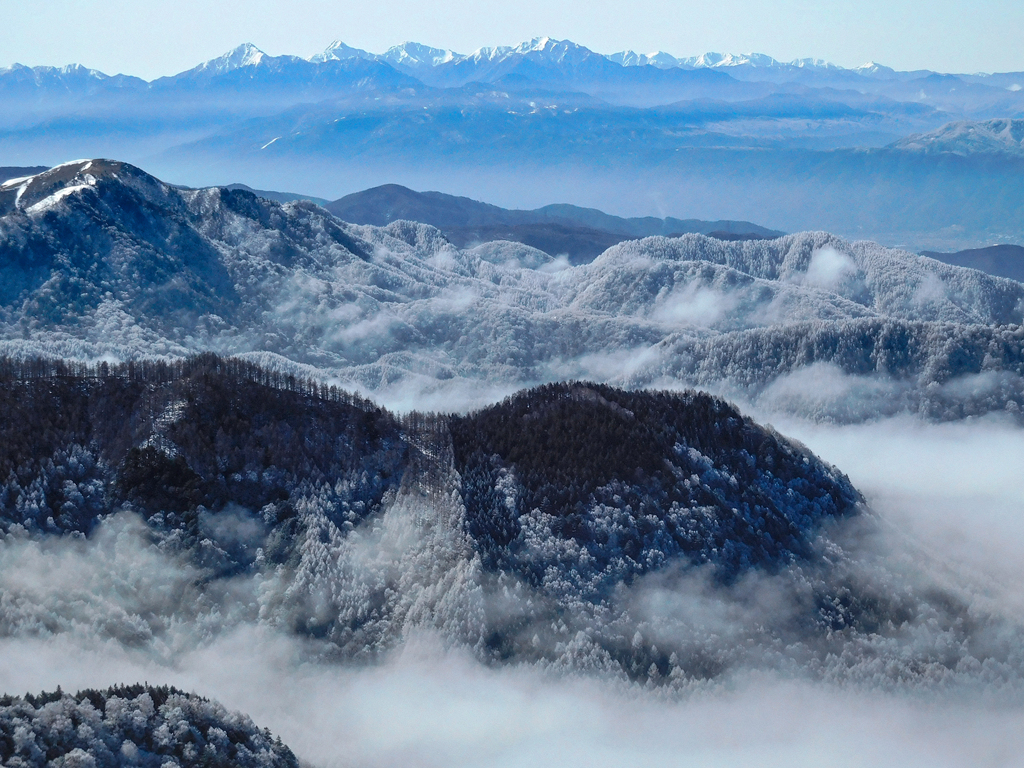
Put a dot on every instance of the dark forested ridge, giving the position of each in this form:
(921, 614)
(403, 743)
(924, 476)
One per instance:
(1003, 260)
(353, 523)
(636, 479)
(212, 490)
(582, 234)
(141, 725)
(177, 441)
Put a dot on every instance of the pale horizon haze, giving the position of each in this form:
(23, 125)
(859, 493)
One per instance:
(150, 40)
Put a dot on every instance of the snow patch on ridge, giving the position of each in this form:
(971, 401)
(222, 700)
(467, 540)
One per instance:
(48, 202)
(15, 182)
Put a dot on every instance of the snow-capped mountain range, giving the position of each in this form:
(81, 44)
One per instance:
(446, 68)
(543, 60)
(416, 56)
(711, 137)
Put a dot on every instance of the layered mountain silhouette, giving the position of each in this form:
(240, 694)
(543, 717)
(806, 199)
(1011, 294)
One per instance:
(580, 233)
(1002, 260)
(793, 146)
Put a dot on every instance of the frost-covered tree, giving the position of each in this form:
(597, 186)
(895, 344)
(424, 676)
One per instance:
(133, 725)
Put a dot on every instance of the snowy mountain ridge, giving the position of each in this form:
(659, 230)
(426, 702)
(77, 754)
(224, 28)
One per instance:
(245, 55)
(100, 258)
(416, 54)
(966, 138)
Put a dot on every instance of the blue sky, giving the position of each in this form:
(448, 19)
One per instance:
(150, 39)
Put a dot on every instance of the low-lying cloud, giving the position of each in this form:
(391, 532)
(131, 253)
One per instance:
(426, 707)
(694, 306)
(828, 267)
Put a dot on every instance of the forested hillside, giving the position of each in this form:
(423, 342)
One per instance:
(628, 481)
(183, 443)
(356, 526)
(138, 725)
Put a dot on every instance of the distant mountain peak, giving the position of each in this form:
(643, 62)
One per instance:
(715, 60)
(658, 59)
(417, 55)
(873, 68)
(810, 63)
(538, 44)
(339, 51)
(76, 71)
(557, 51)
(489, 53)
(245, 55)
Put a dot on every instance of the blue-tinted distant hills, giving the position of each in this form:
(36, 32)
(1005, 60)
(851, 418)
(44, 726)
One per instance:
(1004, 260)
(624, 78)
(581, 234)
(277, 197)
(792, 145)
(991, 137)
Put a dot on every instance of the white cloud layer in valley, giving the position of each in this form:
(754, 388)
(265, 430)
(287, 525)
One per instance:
(429, 709)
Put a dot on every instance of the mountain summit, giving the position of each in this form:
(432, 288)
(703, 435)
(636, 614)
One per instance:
(245, 55)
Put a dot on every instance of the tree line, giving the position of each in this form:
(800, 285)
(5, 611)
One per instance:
(156, 371)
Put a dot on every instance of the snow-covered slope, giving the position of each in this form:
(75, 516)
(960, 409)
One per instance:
(100, 258)
(967, 138)
(415, 56)
(245, 55)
